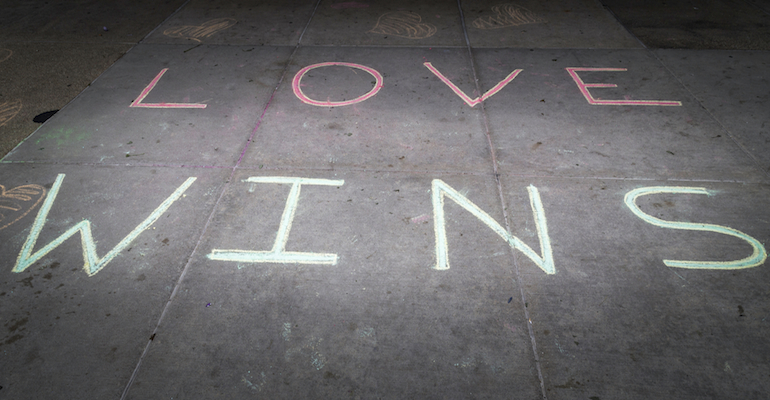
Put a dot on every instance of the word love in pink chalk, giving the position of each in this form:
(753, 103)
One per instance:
(379, 84)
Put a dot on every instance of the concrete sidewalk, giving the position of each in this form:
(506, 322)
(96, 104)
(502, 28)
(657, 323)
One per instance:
(318, 199)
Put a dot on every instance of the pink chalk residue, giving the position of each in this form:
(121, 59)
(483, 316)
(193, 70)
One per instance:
(296, 83)
(592, 100)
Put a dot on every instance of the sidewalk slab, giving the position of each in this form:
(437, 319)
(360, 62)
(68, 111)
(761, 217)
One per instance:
(380, 323)
(84, 333)
(733, 86)
(581, 24)
(386, 23)
(723, 24)
(255, 23)
(83, 20)
(233, 83)
(614, 321)
(50, 52)
(542, 124)
(762, 5)
(411, 242)
(413, 123)
(42, 77)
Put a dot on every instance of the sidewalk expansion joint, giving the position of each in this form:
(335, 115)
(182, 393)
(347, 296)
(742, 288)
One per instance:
(506, 218)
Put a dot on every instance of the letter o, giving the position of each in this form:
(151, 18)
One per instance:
(298, 91)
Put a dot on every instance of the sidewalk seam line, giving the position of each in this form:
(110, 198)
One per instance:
(211, 215)
(502, 203)
(607, 9)
(163, 22)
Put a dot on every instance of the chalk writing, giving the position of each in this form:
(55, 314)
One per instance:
(309, 350)
(591, 100)
(18, 202)
(5, 54)
(255, 386)
(507, 15)
(405, 24)
(8, 110)
(204, 30)
(92, 264)
(278, 253)
(138, 102)
(466, 99)
(439, 190)
(757, 257)
(296, 83)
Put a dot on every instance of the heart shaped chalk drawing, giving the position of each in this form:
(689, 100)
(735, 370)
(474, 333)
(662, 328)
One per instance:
(5, 54)
(8, 110)
(507, 15)
(18, 202)
(204, 30)
(405, 24)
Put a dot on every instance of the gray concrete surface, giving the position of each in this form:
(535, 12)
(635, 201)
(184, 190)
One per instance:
(51, 51)
(725, 25)
(384, 200)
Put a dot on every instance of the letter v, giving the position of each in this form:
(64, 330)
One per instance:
(466, 99)
(91, 261)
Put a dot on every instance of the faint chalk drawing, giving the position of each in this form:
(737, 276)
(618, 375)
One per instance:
(310, 350)
(204, 30)
(8, 110)
(18, 202)
(405, 24)
(286, 331)
(507, 15)
(5, 54)
(257, 387)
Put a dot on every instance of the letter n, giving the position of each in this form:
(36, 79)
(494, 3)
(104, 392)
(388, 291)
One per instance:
(440, 190)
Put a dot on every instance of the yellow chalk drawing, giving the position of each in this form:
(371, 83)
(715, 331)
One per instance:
(204, 30)
(5, 54)
(405, 24)
(278, 253)
(507, 15)
(439, 190)
(8, 110)
(758, 256)
(18, 202)
(91, 261)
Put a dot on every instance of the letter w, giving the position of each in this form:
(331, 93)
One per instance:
(92, 263)
(440, 190)
(466, 99)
